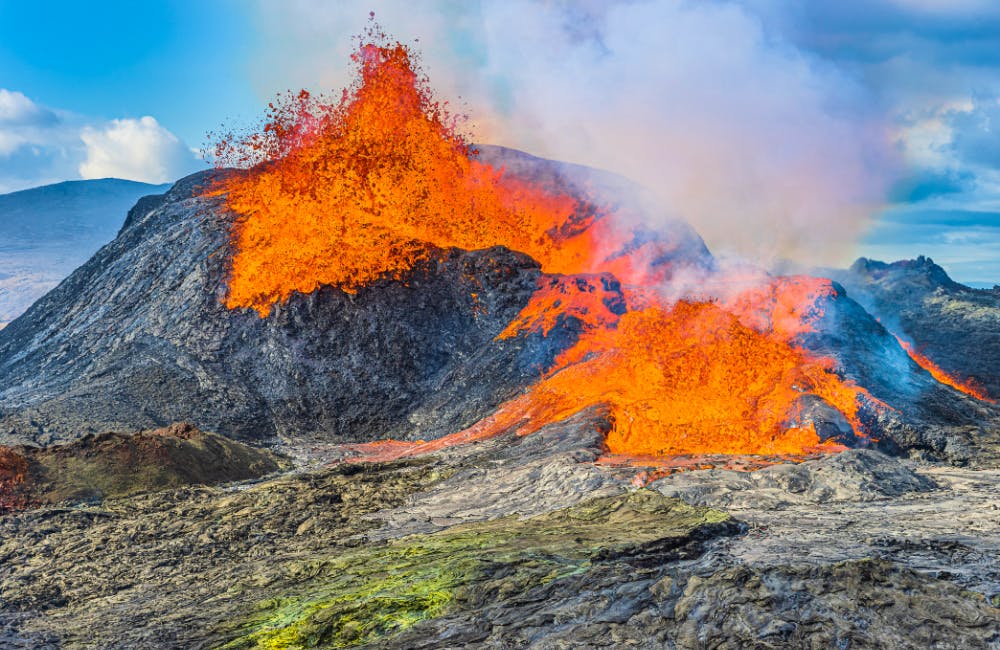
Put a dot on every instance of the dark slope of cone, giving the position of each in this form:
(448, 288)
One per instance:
(919, 412)
(138, 338)
(955, 326)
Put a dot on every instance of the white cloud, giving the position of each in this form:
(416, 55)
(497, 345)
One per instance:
(41, 145)
(23, 122)
(139, 150)
(38, 145)
(17, 109)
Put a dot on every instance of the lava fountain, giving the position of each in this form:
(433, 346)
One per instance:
(351, 191)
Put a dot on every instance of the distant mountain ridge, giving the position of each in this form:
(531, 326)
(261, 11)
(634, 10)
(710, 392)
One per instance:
(957, 326)
(46, 232)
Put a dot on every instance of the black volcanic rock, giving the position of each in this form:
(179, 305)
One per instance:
(138, 338)
(956, 326)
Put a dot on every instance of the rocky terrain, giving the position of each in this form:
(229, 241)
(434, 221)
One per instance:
(519, 542)
(113, 465)
(47, 232)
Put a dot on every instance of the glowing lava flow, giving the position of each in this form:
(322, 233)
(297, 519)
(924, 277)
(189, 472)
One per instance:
(690, 378)
(349, 192)
(967, 387)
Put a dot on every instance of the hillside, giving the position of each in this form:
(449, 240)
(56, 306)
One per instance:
(139, 337)
(46, 232)
(956, 326)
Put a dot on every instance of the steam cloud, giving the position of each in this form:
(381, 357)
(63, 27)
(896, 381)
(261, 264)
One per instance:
(768, 151)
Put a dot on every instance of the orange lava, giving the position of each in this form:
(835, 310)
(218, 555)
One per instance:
(348, 192)
(382, 451)
(691, 379)
(968, 387)
(362, 189)
(596, 301)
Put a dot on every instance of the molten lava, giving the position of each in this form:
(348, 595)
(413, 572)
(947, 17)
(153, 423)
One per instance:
(968, 386)
(596, 301)
(686, 379)
(348, 192)
(363, 188)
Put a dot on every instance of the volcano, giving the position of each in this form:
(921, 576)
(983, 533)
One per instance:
(140, 337)
(515, 395)
(371, 276)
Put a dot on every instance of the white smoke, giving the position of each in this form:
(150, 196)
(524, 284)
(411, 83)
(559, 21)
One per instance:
(767, 151)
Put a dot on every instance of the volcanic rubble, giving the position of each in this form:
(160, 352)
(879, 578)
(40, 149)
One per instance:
(295, 527)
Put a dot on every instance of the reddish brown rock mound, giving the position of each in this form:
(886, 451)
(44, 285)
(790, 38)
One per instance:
(120, 464)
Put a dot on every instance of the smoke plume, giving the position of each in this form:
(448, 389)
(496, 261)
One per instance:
(768, 151)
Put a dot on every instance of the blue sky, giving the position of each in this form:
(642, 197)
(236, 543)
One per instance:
(809, 130)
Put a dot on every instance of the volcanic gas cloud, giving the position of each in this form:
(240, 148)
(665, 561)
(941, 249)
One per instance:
(348, 191)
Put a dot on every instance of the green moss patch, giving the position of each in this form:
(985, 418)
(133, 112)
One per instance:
(379, 591)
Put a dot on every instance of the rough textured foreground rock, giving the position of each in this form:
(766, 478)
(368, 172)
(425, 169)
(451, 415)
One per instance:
(878, 552)
(853, 604)
(473, 583)
(856, 475)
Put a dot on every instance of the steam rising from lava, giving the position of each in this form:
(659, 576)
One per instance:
(347, 192)
(767, 150)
